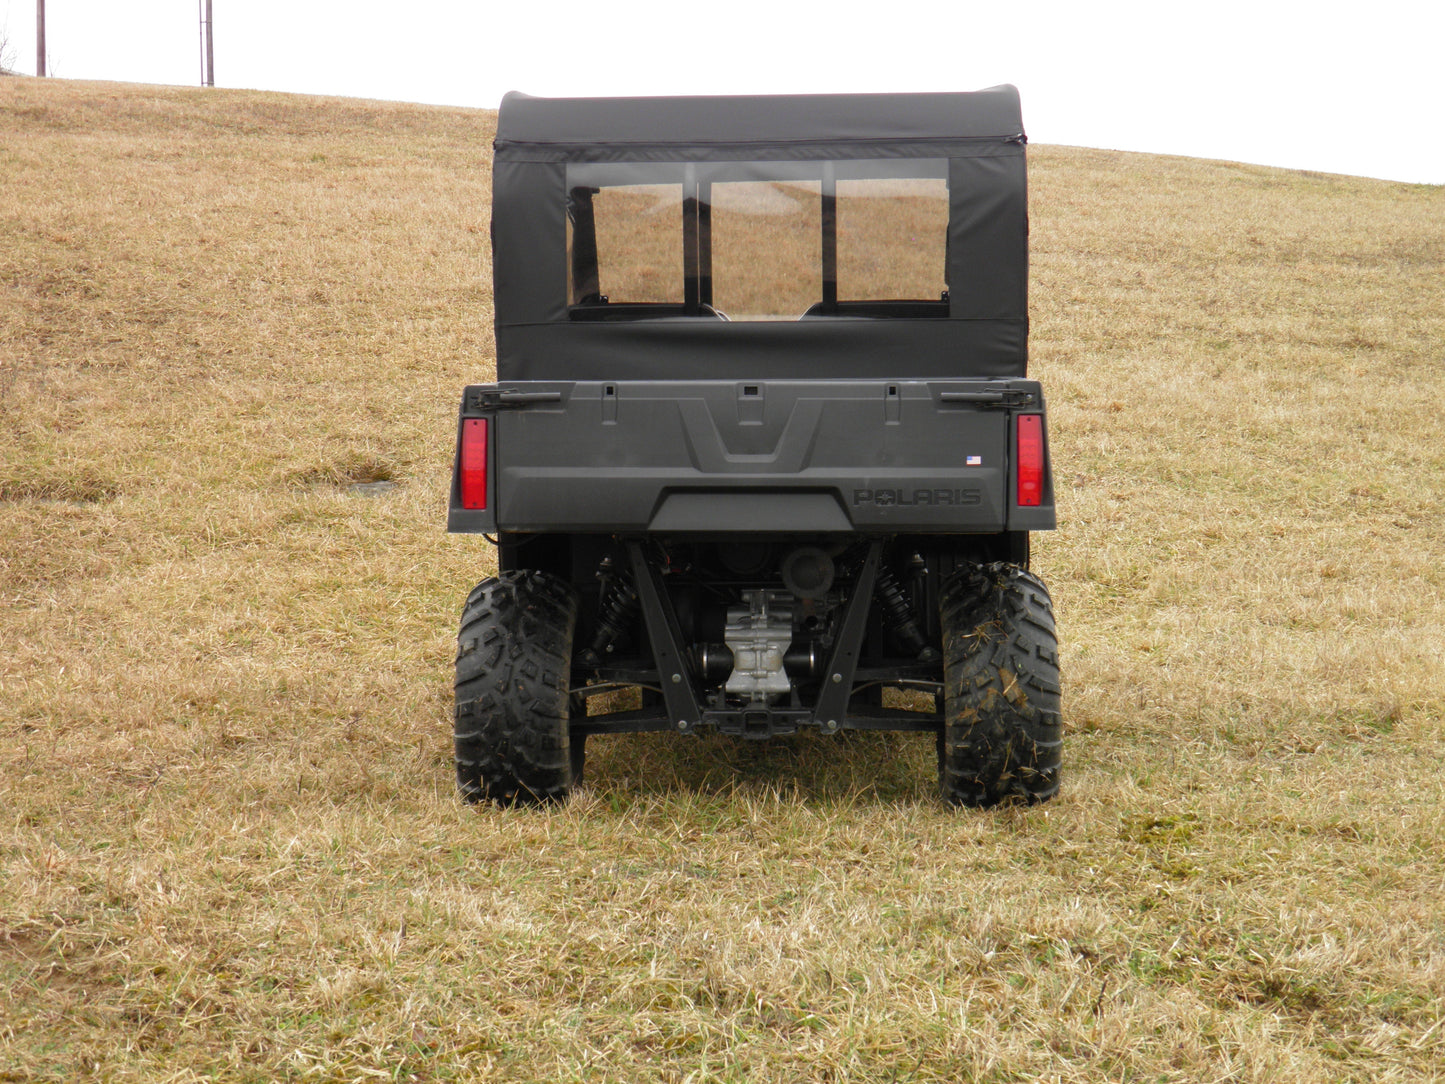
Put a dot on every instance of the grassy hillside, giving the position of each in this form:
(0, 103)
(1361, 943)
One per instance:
(229, 847)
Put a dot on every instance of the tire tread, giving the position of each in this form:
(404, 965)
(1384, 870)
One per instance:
(1002, 736)
(513, 667)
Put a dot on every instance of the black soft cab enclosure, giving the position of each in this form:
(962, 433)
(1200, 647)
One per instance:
(762, 438)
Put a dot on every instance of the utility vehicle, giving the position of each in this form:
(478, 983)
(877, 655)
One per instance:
(761, 455)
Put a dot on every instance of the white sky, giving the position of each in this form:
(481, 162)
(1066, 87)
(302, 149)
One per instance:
(1339, 87)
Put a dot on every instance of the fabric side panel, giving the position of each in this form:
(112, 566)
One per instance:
(529, 242)
(701, 349)
(988, 238)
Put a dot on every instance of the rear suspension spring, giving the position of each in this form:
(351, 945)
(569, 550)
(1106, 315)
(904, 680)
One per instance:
(898, 614)
(615, 613)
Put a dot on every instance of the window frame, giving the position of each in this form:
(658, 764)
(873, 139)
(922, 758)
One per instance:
(585, 179)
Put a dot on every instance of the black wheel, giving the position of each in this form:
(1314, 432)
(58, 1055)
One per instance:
(1002, 736)
(514, 662)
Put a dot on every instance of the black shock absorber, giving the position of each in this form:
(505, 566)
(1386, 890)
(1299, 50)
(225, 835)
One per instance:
(615, 613)
(899, 616)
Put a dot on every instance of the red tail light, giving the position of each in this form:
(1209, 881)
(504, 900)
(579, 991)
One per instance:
(1030, 459)
(474, 463)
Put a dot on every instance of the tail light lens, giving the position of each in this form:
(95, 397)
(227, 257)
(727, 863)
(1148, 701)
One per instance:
(1029, 457)
(474, 463)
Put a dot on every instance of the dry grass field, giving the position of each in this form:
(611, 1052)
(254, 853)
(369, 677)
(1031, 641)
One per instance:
(229, 846)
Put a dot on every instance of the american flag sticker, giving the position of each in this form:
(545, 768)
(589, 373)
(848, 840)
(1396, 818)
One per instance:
(974, 461)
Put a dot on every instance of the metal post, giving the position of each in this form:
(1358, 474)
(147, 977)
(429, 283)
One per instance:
(210, 48)
(40, 37)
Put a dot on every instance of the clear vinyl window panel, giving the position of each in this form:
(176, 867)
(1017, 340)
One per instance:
(638, 245)
(892, 234)
(754, 241)
(766, 247)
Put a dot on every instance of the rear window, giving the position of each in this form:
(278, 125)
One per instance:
(639, 243)
(758, 240)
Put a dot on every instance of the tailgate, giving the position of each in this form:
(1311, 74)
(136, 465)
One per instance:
(768, 455)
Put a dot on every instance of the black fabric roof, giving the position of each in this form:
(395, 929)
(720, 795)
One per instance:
(789, 118)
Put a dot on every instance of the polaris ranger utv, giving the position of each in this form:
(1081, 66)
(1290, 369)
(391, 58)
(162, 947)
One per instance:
(761, 445)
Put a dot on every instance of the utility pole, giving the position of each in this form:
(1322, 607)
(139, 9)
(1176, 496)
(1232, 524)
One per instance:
(208, 49)
(40, 37)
